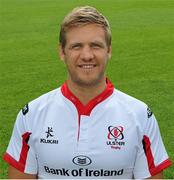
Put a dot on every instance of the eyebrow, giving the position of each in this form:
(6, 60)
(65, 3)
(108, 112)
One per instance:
(98, 43)
(93, 43)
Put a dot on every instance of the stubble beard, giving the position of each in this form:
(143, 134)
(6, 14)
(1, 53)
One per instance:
(86, 83)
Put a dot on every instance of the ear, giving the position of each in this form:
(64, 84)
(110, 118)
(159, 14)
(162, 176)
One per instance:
(109, 52)
(61, 51)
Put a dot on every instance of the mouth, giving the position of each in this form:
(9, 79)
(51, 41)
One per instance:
(87, 66)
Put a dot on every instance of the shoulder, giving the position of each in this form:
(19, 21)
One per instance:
(138, 112)
(32, 112)
(32, 115)
(44, 100)
(132, 105)
(128, 101)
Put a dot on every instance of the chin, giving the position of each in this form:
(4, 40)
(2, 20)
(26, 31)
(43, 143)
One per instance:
(87, 81)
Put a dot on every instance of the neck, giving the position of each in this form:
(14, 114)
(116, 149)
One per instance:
(86, 93)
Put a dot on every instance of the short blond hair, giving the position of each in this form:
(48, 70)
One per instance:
(81, 16)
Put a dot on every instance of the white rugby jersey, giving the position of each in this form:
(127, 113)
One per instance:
(113, 136)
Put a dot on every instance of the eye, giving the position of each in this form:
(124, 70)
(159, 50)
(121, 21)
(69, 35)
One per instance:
(76, 46)
(96, 45)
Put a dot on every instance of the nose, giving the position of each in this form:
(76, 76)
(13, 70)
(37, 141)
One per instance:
(86, 54)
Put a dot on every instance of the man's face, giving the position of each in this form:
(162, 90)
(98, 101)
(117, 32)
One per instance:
(86, 54)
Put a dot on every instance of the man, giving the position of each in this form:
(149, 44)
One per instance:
(86, 128)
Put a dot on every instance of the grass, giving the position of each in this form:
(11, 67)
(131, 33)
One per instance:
(142, 61)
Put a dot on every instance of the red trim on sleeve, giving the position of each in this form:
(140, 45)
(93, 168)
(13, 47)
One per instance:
(148, 152)
(20, 165)
(150, 159)
(165, 164)
(25, 148)
(16, 164)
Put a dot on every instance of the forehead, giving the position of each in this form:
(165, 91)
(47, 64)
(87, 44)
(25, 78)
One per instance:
(86, 33)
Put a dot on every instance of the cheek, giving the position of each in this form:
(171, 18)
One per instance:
(72, 57)
(103, 58)
(70, 63)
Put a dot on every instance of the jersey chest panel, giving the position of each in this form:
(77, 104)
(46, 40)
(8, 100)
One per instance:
(104, 141)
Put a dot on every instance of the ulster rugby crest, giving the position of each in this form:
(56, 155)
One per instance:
(115, 137)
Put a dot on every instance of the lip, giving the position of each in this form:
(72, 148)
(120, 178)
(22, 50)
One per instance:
(87, 66)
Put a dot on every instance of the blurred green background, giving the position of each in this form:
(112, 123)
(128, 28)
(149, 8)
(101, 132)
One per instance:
(142, 63)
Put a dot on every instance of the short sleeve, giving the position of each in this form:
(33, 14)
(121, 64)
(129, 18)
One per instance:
(152, 157)
(20, 153)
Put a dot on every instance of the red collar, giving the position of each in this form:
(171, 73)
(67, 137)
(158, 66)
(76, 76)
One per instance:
(86, 109)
